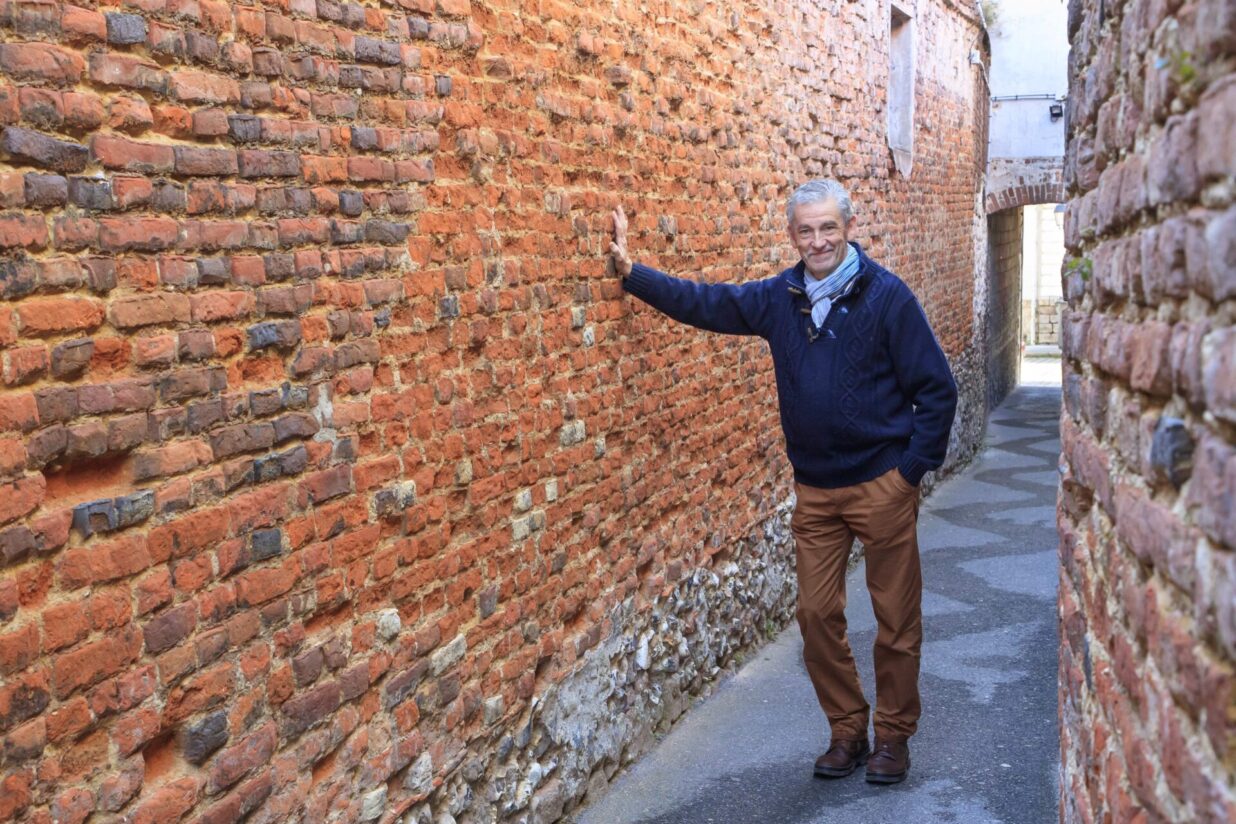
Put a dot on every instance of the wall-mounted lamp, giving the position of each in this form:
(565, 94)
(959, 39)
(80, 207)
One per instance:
(1056, 110)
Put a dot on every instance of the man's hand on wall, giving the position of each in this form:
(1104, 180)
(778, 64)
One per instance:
(618, 248)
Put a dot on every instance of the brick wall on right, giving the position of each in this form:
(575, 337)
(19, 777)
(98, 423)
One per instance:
(1147, 518)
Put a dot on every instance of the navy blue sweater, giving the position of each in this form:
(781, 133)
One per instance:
(870, 391)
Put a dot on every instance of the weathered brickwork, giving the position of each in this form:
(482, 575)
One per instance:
(338, 480)
(1147, 522)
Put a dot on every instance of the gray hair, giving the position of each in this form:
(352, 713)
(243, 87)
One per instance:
(815, 191)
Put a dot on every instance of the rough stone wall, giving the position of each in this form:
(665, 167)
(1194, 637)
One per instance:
(1004, 316)
(339, 480)
(1147, 522)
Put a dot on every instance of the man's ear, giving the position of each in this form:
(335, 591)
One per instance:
(850, 226)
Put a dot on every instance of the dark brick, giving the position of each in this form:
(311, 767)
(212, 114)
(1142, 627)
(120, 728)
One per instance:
(168, 197)
(56, 404)
(307, 666)
(364, 138)
(295, 425)
(284, 334)
(351, 202)
(135, 508)
(198, 741)
(265, 544)
(170, 627)
(309, 708)
(244, 128)
(95, 516)
(265, 402)
(18, 278)
(346, 231)
(100, 273)
(201, 47)
(89, 193)
(41, 150)
(125, 29)
(46, 445)
(242, 438)
(70, 359)
(372, 50)
(386, 232)
(16, 543)
(263, 163)
(398, 688)
(1171, 451)
(46, 190)
(213, 272)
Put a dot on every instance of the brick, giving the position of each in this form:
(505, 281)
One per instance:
(169, 802)
(38, 149)
(46, 190)
(41, 63)
(20, 497)
(201, 161)
(126, 234)
(18, 649)
(111, 69)
(82, 25)
(257, 163)
(130, 113)
(234, 763)
(50, 316)
(89, 193)
(199, 740)
(23, 697)
(169, 628)
(125, 29)
(199, 87)
(146, 310)
(90, 663)
(132, 156)
(304, 711)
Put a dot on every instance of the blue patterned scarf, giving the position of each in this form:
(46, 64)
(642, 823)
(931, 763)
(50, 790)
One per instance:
(822, 293)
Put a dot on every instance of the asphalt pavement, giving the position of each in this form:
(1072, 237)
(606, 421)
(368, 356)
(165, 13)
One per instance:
(987, 747)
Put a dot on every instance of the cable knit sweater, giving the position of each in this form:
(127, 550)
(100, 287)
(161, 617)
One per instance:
(871, 391)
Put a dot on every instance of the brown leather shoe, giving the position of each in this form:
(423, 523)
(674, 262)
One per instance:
(843, 757)
(889, 763)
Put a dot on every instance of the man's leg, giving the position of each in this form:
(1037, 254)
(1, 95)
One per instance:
(822, 546)
(885, 518)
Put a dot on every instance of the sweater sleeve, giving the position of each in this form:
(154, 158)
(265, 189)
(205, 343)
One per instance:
(925, 378)
(732, 309)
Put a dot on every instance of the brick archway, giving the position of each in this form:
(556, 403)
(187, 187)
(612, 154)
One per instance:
(1013, 183)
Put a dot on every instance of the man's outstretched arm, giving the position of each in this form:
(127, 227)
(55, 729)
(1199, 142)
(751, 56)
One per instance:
(715, 307)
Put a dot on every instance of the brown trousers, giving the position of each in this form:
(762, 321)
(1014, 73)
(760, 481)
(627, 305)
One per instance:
(883, 514)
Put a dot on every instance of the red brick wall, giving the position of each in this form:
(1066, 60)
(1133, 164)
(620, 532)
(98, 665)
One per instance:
(326, 440)
(1147, 523)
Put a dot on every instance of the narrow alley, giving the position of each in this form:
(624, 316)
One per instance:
(987, 747)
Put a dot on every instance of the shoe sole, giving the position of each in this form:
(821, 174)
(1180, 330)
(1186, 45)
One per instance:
(886, 778)
(829, 772)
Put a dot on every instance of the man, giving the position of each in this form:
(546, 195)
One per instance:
(867, 400)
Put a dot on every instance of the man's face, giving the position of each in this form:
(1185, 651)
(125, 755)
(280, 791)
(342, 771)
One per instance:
(819, 233)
